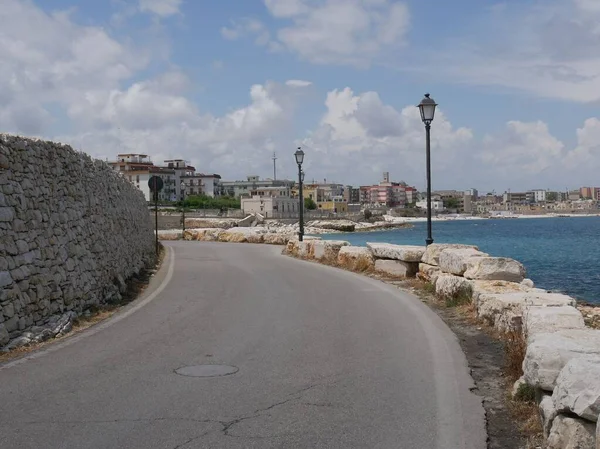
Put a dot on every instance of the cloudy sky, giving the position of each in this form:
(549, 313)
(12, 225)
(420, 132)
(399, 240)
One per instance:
(226, 83)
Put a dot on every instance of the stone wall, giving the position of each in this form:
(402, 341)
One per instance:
(71, 232)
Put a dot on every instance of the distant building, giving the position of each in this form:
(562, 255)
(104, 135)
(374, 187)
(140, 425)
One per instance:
(270, 205)
(590, 193)
(386, 193)
(239, 189)
(436, 205)
(138, 169)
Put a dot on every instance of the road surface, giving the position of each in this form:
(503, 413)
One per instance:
(325, 359)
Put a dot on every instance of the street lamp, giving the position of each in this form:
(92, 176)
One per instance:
(299, 154)
(427, 109)
(182, 185)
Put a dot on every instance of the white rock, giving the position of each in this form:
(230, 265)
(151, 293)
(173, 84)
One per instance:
(396, 268)
(328, 249)
(406, 253)
(494, 287)
(454, 260)
(527, 283)
(450, 286)
(356, 258)
(549, 319)
(505, 311)
(571, 433)
(494, 268)
(429, 273)
(432, 252)
(547, 413)
(547, 354)
(577, 388)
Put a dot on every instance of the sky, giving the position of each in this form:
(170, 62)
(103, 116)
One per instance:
(225, 84)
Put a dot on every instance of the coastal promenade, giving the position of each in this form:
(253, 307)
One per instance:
(321, 358)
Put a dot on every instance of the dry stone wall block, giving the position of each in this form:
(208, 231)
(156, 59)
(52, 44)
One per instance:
(429, 273)
(577, 388)
(547, 354)
(454, 260)
(356, 258)
(405, 253)
(547, 413)
(549, 319)
(396, 268)
(432, 253)
(495, 268)
(571, 433)
(450, 286)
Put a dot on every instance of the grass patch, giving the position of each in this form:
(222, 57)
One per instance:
(525, 393)
(429, 287)
(515, 347)
(462, 299)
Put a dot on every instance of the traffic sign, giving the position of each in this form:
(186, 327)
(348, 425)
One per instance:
(155, 183)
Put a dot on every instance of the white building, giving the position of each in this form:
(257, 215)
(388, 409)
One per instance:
(270, 206)
(138, 169)
(435, 205)
(539, 195)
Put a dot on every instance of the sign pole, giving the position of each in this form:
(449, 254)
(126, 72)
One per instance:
(156, 213)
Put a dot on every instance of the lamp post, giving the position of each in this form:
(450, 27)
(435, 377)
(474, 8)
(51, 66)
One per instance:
(427, 109)
(182, 186)
(299, 155)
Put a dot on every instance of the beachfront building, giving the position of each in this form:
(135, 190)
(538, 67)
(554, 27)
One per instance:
(436, 205)
(271, 205)
(386, 193)
(240, 189)
(138, 169)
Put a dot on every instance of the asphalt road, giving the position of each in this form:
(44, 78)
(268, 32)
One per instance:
(326, 359)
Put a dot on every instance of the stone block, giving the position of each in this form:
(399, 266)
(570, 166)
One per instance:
(432, 253)
(547, 413)
(396, 268)
(495, 268)
(549, 319)
(449, 286)
(5, 279)
(429, 273)
(577, 388)
(356, 258)
(405, 253)
(547, 354)
(328, 249)
(454, 260)
(571, 433)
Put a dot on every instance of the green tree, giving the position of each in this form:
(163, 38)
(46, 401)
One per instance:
(551, 196)
(207, 202)
(452, 203)
(309, 204)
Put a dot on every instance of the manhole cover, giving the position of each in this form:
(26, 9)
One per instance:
(207, 370)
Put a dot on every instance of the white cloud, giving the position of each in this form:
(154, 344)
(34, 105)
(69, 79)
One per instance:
(298, 83)
(550, 50)
(162, 8)
(351, 32)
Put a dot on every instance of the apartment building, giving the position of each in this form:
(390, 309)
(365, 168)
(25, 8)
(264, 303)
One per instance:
(138, 169)
(239, 189)
(386, 193)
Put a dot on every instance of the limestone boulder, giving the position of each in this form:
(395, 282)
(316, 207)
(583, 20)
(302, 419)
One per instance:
(494, 287)
(527, 283)
(431, 256)
(547, 413)
(577, 388)
(334, 225)
(327, 250)
(396, 268)
(571, 433)
(454, 260)
(356, 258)
(450, 286)
(495, 268)
(276, 238)
(505, 311)
(405, 253)
(429, 273)
(170, 235)
(246, 222)
(549, 319)
(547, 354)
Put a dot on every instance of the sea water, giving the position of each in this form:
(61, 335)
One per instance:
(560, 254)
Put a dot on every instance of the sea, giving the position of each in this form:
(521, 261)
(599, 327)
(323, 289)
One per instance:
(560, 254)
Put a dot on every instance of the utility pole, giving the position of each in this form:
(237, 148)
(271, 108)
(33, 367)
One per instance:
(274, 167)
